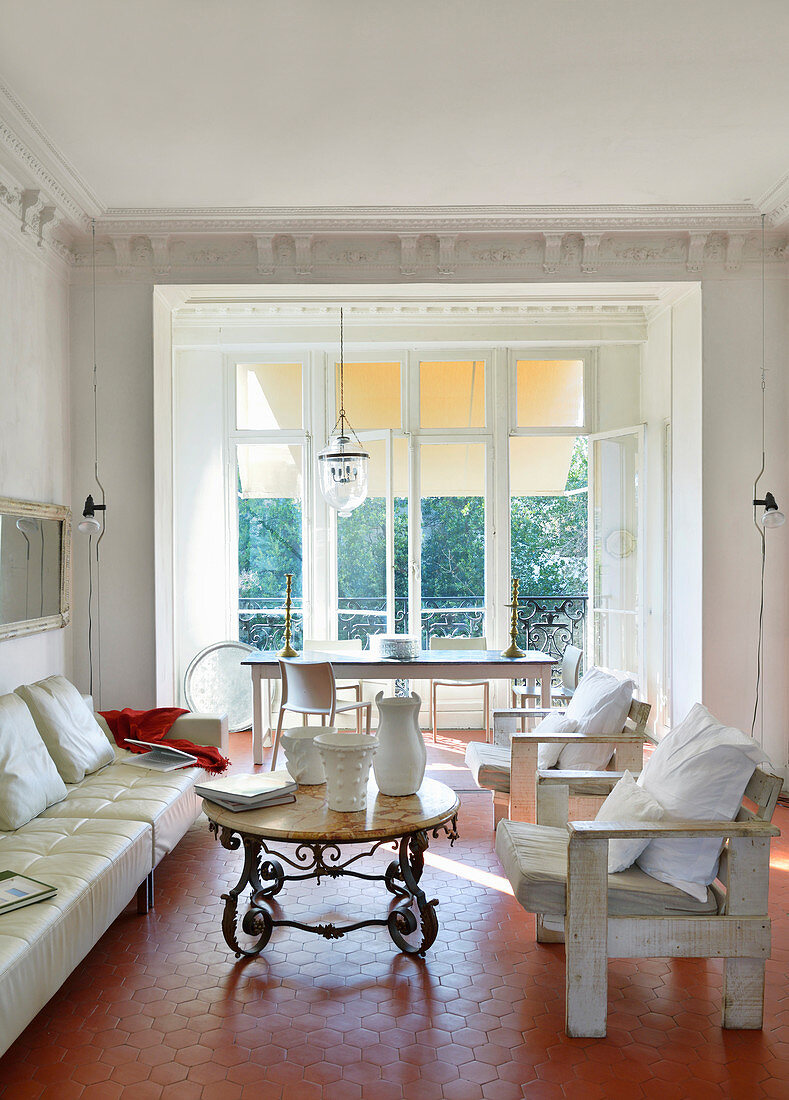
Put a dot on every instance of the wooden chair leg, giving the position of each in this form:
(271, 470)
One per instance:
(743, 993)
(277, 735)
(586, 939)
(369, 713)
(433, 699)
(486, 710)
(501, 807)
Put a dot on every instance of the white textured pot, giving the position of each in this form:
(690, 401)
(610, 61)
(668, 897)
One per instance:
(346, 760)
(399, 764)
(302, 758)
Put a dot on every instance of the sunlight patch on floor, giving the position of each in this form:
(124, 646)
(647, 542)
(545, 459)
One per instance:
(471, 874)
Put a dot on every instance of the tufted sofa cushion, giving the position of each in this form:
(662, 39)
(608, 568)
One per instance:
(165, 801)
(96, 867)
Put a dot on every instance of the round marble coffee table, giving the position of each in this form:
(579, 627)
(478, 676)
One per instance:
(319, 834)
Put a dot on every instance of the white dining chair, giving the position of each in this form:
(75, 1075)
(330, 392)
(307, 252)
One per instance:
(460, 643)
(308, 687)
(523, 694)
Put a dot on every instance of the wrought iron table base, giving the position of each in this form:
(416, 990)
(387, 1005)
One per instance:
(323, 859)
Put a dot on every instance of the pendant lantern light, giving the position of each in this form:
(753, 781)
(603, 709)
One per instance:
(343, 463)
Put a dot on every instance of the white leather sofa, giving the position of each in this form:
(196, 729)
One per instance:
(99, 846)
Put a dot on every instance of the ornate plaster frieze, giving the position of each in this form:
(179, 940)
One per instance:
(426, 256)
(28, 210)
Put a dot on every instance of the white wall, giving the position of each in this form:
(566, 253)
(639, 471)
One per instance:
(34, 419)
(125, 399)
(732, 456)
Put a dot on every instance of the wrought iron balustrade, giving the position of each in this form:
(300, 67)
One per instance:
(261, 622)
(548, 623)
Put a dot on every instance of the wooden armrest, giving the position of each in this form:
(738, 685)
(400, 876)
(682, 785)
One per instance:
(610, 830)
(570, 778)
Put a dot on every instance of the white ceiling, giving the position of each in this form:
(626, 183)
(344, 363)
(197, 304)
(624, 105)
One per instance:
(254, 103)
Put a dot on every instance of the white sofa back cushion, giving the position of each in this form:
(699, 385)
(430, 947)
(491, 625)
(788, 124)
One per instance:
(70, 732)
(628, 804)
(599, 705)
(29, 780)
(699, 771)
(549, 753)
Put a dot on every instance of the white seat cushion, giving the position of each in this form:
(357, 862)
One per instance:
(96, 867)
(698, 771)
(489, 765)
(163, 800)
(71, 734)
(599, 704)
(534, 858)
(29, 780)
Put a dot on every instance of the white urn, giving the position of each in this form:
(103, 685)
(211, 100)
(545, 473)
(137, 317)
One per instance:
(346, 760)
(399, 764)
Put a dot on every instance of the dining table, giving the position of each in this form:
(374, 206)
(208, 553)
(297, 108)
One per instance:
(435, 664)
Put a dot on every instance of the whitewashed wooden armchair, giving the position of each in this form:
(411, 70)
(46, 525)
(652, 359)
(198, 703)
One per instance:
(522, 792)
(632, 915)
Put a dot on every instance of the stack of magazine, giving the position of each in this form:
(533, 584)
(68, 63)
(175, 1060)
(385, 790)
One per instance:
(17, 890)
(249, 792)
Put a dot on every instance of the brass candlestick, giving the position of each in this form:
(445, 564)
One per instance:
(512, 649)
(288, 650)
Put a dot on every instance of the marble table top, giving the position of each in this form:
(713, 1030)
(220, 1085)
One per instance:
(309, 817)
(363, 661)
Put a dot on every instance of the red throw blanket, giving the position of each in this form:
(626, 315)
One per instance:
(153, 726)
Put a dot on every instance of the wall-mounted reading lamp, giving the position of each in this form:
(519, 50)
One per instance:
(89, 525)
(772, 517)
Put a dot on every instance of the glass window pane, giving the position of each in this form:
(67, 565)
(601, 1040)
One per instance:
(372, 395)
(453, 540)
(452, 395)
(270, 542)
(550, 393)
(361, 551)
(268, 396)
(548, 529)
(361, 557)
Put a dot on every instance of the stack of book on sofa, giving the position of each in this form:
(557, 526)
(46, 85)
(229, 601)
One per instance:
(249, 792)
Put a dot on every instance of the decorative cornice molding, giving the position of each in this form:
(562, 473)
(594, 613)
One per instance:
(428, 219)
(775, 202)
(36, 159)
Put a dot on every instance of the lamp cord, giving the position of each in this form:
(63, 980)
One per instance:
(760, 529)
(103, 501)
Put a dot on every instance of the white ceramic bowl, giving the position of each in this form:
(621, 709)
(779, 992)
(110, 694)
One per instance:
(302, 758)
(346, 759)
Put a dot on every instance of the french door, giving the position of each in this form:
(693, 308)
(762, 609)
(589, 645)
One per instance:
(616, 550)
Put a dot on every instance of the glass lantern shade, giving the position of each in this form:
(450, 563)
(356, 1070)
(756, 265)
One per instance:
(343, 470)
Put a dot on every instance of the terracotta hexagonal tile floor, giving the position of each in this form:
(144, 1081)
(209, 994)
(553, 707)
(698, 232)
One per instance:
(161, 1008)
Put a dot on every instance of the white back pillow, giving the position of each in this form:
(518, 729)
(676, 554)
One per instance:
(71, 734)
(628, 804)
(599, 705)
(29, 781)
(699, 772)
(547, 755)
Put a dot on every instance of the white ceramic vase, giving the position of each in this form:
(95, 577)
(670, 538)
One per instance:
(399, 764)
(346, 760)
(302, 758)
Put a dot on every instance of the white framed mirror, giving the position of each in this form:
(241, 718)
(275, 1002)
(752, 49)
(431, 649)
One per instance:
(35, 566)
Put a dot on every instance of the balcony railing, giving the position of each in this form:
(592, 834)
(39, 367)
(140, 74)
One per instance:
(548, 623)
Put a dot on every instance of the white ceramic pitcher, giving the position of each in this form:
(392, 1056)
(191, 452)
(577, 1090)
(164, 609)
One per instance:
(399, 764)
